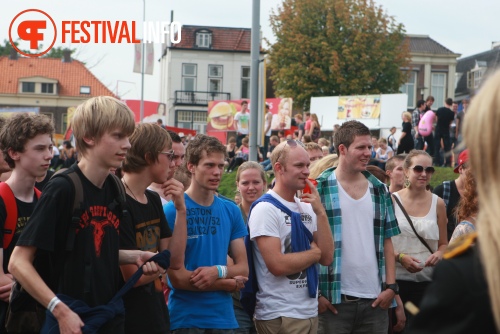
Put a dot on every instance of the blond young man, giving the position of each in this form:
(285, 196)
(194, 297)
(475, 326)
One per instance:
(101, 127)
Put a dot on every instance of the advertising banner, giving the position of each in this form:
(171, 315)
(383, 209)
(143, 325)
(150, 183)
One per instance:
(227, 115)
(358, 107)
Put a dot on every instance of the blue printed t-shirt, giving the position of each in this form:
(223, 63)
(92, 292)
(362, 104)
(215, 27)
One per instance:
(210, 229)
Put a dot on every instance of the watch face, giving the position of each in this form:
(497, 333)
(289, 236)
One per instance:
(394, 287)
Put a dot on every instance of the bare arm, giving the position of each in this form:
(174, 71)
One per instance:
(433, 259)
(21, 266)
(323, 236)
(385, 297)
(280, 264)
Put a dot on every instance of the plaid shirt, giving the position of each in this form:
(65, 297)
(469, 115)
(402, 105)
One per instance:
(415, 119)
(384, 223)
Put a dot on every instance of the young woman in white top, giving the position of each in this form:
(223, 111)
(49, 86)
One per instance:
(414, 262)
(383, 153)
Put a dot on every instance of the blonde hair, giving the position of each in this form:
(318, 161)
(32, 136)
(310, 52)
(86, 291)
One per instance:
(331, 160)
(252, 165)
(482, 122)
(407, 115)
(98, 115)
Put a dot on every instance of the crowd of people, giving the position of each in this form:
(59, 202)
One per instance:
(346, 234)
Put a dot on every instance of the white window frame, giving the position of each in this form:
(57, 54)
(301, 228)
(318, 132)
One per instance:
(245, 95)
(47, 84)
(215, 78)
(438, 89)
(203, 39)
(410, 89)
(189, 76)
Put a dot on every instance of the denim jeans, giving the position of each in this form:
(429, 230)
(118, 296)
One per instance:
(202, 331)
(354, 317)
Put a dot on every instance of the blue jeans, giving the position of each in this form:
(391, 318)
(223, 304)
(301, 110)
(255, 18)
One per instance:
(354, 317)
(202, 331)
(244, 321)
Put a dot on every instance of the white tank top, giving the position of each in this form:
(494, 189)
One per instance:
(408, 243)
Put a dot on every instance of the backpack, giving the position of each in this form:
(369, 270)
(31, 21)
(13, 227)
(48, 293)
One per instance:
(24, 313)
(9, 200)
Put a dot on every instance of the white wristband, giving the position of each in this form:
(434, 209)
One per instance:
(52, 304)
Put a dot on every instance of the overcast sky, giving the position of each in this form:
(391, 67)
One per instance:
(463, 26)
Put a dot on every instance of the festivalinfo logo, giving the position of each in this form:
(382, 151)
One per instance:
(38, 28)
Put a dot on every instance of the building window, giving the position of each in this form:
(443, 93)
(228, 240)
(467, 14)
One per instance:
(84, 89)
(245, 82)
(47, 88)
(409, 88)
(189, 72)
(196, 120)
(215, 78)
(28, 87)
(438, 89)
(204, 39)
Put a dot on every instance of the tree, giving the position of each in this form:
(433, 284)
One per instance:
(336, 47)
(55, 52)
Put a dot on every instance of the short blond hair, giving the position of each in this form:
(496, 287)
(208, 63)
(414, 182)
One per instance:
(98, 115)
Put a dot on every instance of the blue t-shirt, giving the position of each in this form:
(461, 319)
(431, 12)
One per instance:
(210, 229)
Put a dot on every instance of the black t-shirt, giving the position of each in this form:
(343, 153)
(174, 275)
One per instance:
(24, 211)
(145, 307)
(406, 128)
(97, 238)
(445, 117)
(450, 208)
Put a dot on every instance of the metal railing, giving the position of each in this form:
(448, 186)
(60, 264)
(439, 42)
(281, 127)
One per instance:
(198, 98)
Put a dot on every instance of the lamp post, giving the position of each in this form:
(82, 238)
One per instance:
(143, 61)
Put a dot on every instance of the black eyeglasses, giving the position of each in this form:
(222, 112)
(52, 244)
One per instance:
(169, 154)
(419, 169)
(291, 143)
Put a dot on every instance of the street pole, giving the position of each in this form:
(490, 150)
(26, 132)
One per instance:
(143, 62)
(254, 80)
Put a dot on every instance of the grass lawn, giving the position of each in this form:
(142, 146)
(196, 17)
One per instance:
(228, 185)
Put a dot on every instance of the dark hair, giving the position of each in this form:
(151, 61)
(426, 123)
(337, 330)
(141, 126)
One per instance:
(21, 128)
(420, 103)
(430, 98)
(378, 173)
(391, 163)
(244, 102)
(175, 137)
(449, 101)
(347, 132)
(201, 143)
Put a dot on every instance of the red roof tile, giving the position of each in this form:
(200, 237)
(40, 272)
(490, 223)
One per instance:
(223, 39)
(69, 75)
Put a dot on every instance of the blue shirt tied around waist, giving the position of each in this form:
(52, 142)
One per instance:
(95, 317)
(301, 241)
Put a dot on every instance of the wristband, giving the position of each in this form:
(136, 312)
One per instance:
(52, 304)
(401, 257)
(221, 271)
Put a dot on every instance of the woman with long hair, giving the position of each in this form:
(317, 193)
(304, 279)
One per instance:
(422, 219)
(251, 184)
(467, 208)
(315, 129)
(466, 288)
(405, 142)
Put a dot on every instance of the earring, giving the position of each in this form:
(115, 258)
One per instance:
(407, 183)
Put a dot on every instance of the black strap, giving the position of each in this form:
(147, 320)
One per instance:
(422, 240)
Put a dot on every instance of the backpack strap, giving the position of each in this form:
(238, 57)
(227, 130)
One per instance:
(120, 200)
(9, 200)
(11, 217)
(446, 192)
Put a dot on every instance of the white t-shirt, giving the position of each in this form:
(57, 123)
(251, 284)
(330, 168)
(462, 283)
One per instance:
(243, 121)
(281, 296)
(384, 156)
(359, 259)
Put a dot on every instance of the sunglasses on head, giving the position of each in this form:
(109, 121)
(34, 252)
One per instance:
(291, 143)
(419, 169)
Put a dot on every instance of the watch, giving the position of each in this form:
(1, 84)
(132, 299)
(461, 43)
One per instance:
(394, 287)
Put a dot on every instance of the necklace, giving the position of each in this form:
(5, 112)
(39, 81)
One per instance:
(131, 192)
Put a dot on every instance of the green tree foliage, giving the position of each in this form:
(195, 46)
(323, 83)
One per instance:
(336, 47)
(55, 52)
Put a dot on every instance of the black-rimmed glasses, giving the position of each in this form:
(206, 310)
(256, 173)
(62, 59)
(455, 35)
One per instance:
(419, 169)
(169, 154)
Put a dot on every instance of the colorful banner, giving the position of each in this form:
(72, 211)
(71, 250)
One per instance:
(359, 106)
(152, 110)
(6, 112)
(221, 114)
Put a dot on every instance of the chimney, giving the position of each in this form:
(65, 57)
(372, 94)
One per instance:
(66, 56)
(13, 54)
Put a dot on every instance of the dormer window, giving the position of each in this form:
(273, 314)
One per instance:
(203, 39)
